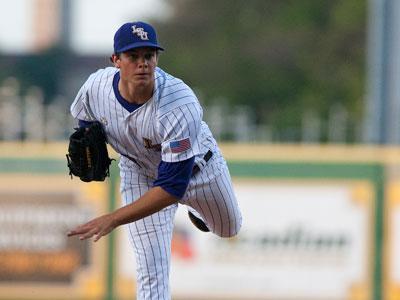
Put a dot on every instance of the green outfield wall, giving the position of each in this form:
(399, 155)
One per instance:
(363, 245)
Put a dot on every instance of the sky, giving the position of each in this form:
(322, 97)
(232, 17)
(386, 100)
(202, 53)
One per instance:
(14, 26)
(93, 26)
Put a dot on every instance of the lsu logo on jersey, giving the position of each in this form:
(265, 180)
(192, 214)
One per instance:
(148, 144)
(140, 33)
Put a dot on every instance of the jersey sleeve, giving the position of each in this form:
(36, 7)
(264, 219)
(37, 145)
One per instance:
(180, 131)
(174, 177)
(80, 108)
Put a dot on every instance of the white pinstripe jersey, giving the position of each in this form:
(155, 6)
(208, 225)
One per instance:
(145, 135)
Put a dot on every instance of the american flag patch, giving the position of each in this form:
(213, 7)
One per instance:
(180, 146)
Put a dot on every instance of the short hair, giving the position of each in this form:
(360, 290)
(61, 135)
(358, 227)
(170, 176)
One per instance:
(118, 54)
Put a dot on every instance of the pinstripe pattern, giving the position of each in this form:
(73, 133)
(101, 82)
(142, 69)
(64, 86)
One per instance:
(151, 239)
(211, 194)
(172, 114)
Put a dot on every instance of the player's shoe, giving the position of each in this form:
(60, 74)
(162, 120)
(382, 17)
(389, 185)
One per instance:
(198, 222)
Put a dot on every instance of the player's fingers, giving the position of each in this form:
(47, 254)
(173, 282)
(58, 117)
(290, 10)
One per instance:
(102, 232)
(97, 237)
(75, 232)
(89, 234)
(81, 229)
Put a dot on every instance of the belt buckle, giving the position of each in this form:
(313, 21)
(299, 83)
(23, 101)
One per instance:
(201, 163)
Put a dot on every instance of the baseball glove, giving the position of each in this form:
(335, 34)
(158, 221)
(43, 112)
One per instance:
(87, 156)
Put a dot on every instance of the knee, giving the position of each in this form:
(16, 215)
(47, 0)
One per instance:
(233, 230)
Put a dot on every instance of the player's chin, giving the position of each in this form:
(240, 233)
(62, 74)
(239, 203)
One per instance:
(142, 81)
(142, 78)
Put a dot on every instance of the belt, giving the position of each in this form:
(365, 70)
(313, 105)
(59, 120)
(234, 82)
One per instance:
(132, 160)
(206, 158)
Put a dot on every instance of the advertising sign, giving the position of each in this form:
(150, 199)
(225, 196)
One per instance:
(299, 240)
(392, 262)
(37, 259)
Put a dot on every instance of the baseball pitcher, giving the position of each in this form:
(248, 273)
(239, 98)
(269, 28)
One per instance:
(168, 155)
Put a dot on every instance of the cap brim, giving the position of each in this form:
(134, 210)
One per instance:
(140, 45)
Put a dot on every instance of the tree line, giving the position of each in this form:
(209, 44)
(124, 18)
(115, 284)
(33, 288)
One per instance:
(282, 60)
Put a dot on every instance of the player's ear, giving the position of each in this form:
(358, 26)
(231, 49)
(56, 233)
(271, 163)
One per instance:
(115, 60)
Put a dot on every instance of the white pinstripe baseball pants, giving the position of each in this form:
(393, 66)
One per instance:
(211, 196)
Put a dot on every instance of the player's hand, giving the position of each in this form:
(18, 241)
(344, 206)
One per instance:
(98, 227)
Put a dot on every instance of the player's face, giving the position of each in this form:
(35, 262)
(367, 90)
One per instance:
(137, 66)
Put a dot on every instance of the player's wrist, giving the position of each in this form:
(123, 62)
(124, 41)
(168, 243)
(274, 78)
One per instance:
(115, 220)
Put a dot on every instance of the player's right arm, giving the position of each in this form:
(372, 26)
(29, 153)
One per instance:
(174, 173)
(152, 201)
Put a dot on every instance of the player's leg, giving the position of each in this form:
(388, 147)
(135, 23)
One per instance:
(151, 241)
(215, 202)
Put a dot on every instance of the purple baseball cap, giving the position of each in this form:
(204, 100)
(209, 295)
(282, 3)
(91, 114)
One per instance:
(135, 35)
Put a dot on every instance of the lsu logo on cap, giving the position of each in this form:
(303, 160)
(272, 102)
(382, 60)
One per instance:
(140, 33)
